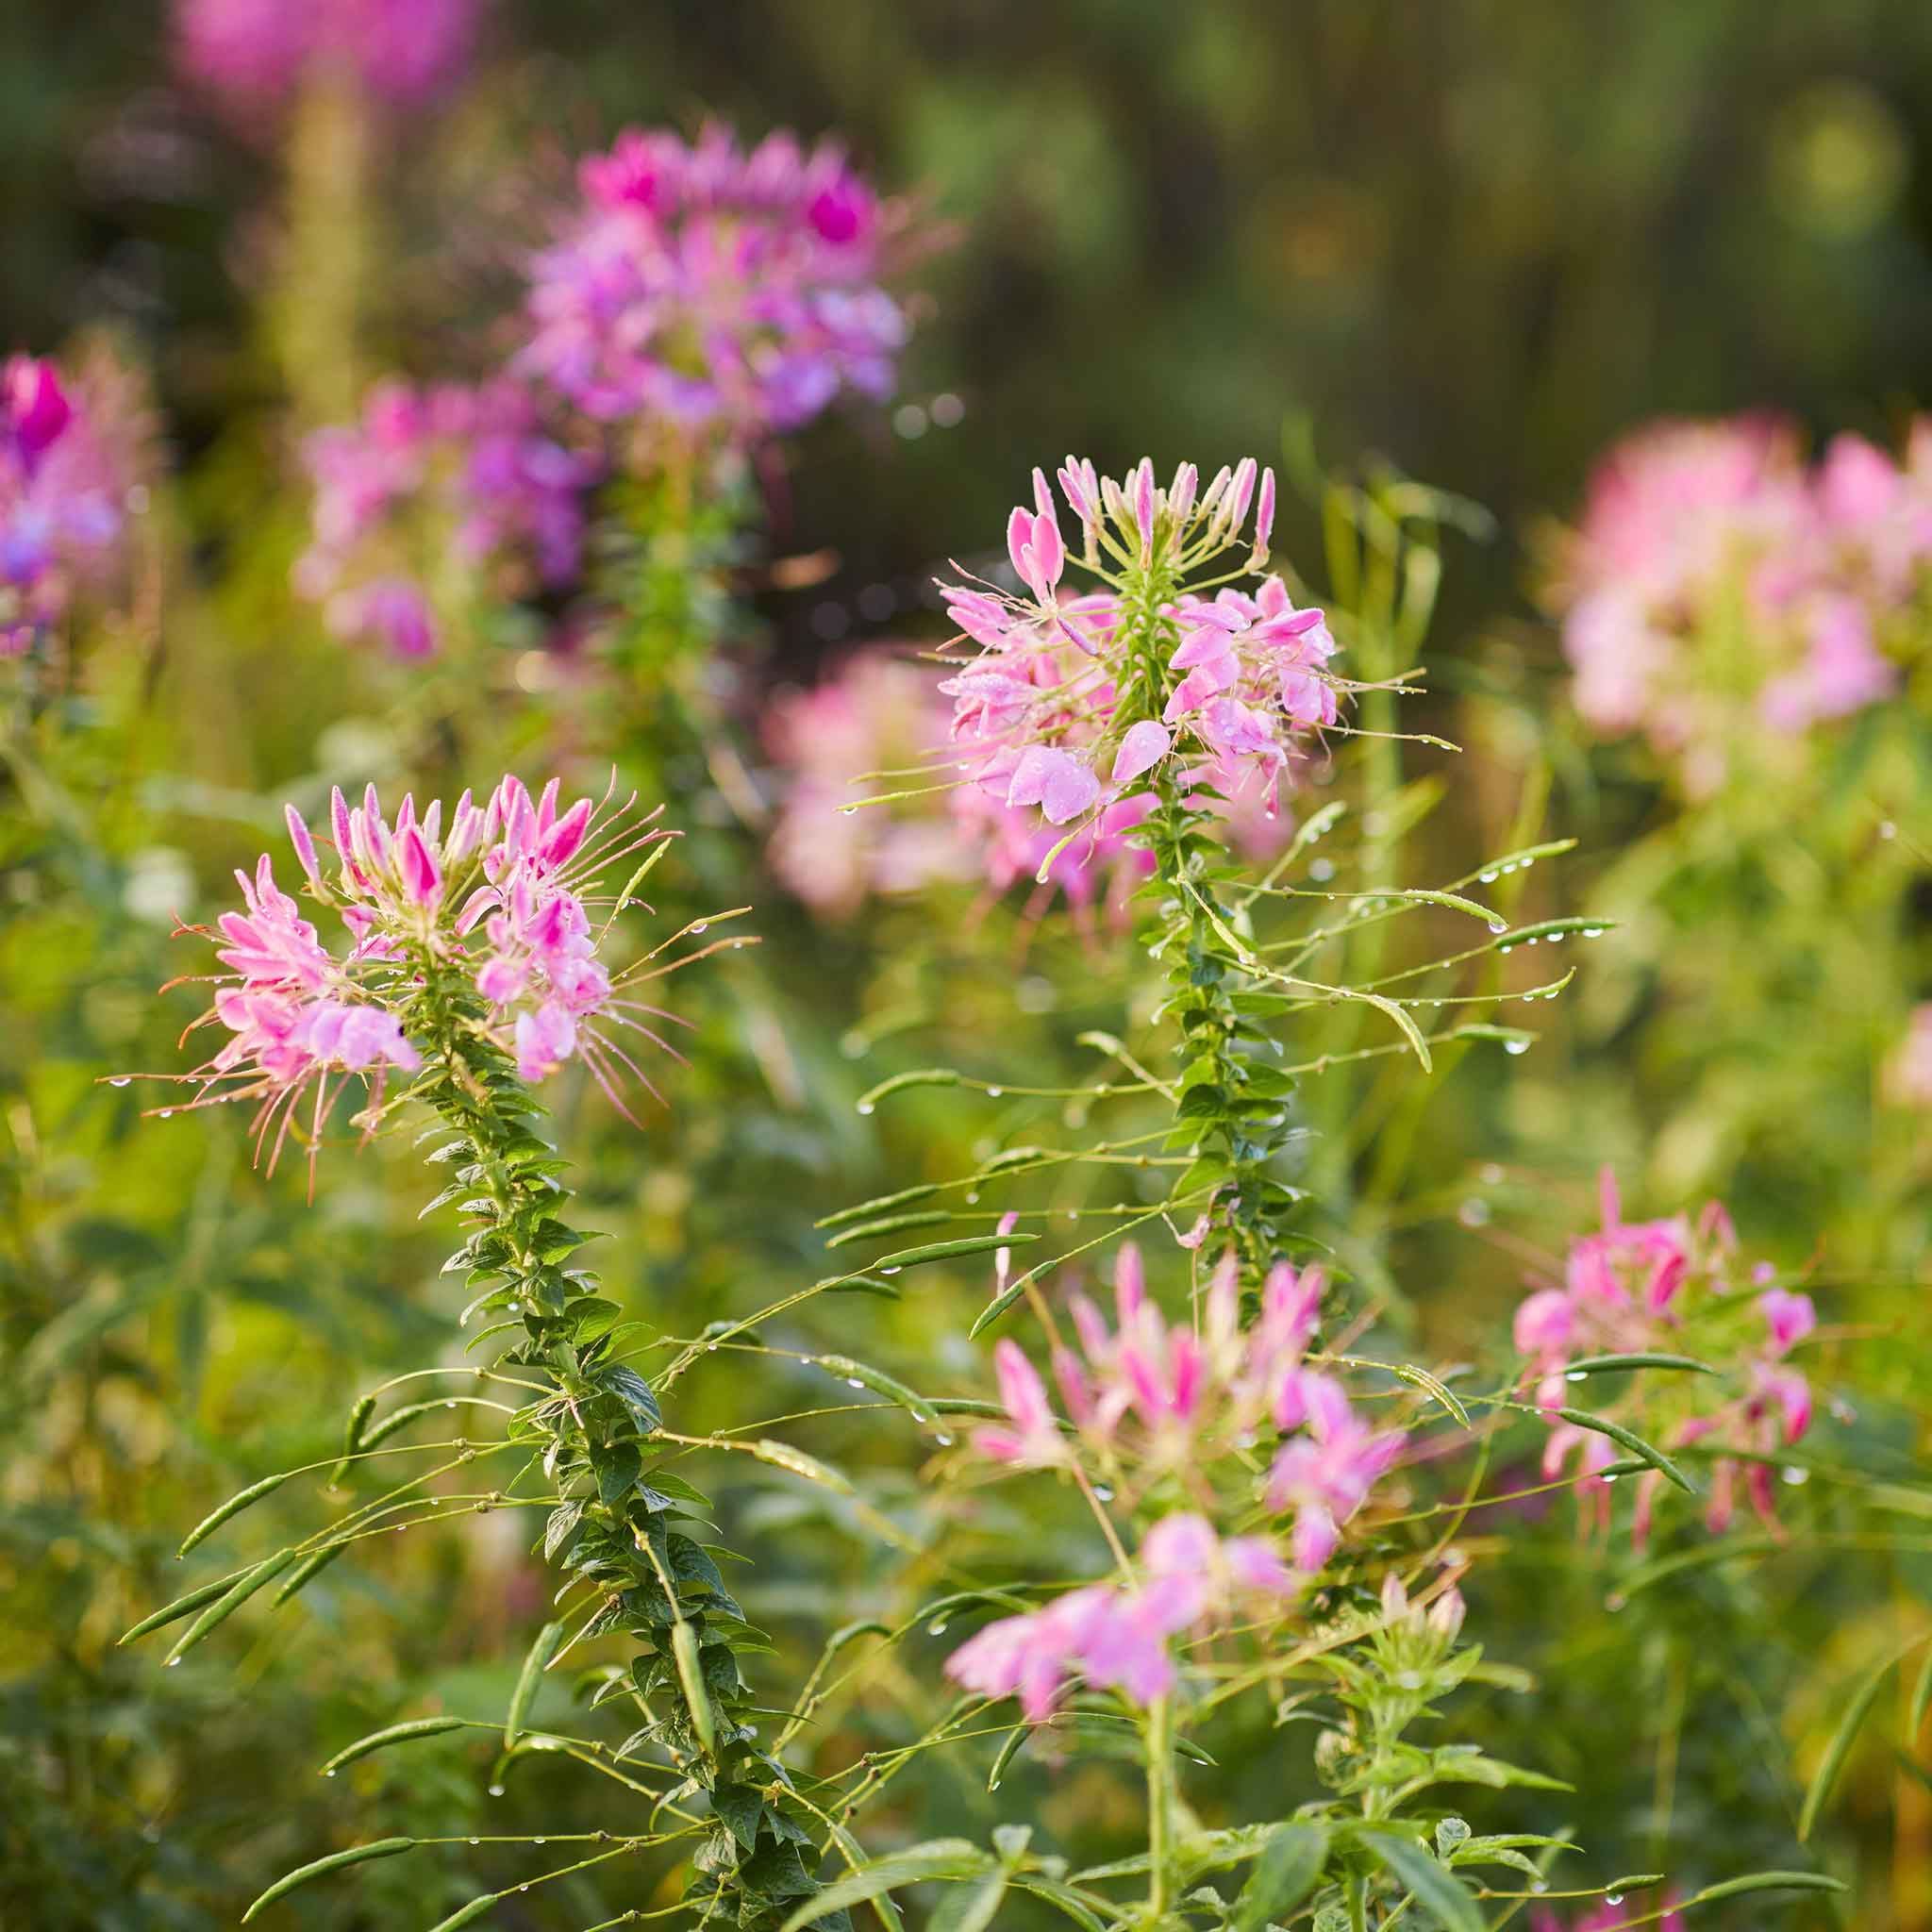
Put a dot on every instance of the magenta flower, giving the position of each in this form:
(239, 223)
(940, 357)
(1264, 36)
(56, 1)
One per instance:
(1692, 528)
(733, 295)
(253, 53)
(63, 493)
(1667, 1287)
(434, 484)
(1325, 1475)
(1035, 709)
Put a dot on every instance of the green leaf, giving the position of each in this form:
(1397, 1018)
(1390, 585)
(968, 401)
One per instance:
(355, 1855)
(1921, 1698)
(1434, 1886)
(1288, 1869)
(635, 1393)
(1582, 1419)
(395, 1734)
(535, 1664)
(1062, 1896)
(1857, 1708)
(942, 1859)
(970, 1907)
(233, 1506)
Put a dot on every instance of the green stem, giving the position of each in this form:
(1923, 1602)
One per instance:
(591, 1435)
(1161, 1808)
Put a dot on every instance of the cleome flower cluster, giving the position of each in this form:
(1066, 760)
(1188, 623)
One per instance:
(63, 501)
(1148, 1405)
(734, 295)
(253, 53)
(1671, 1287)
(1074, 698)
(1716, 583)
(500, 896)
(437, 491)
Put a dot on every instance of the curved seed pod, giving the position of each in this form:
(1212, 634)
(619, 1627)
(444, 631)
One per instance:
(182, 1606)
(230, 1602)
(393, 1734)
(355, 1855)
(352, 1438)
(535, 1664)
(233, 1506)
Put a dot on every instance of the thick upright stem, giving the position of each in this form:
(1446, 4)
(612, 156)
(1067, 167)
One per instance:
(615, 1525)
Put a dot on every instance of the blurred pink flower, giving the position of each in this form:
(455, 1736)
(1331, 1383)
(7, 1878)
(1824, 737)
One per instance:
(63, 493)
(1670, 1288)
(732, 294)
(1909, 1072)
(255, 52)
(431, 479)
(1119, 1637)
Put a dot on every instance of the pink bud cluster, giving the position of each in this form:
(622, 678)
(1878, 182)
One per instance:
(1119, 1635)
(500, 891)
(1696, 532)
(62, 501)
(1667, 1287)
(731, 293)
(1150, 1399)
(1242, 677)
(253, 53)
(435, 487)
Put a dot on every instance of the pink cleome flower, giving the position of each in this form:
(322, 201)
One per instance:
(1155, 1399)
(1037, 710)
(734, 293)
(1667, 1287)
(1119, 1637)
(1693, 530)
(410, 892)
(63, 495)
(429, 479)
(253, 53)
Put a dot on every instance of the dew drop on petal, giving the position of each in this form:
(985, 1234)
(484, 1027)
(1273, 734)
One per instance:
(995, 1092)
(865, 1107)
(853, 1382)
(121, 1080)
(1499, 926)
(1613, 1898)
(1488, 878)
(496, 1791)
(697, 926)
(937, 1627)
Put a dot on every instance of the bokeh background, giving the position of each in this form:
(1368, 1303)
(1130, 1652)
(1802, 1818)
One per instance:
(1477, 238)
(1479, 235)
